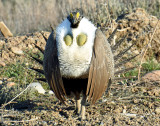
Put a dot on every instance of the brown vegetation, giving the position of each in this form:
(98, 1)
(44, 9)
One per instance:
(23, 16)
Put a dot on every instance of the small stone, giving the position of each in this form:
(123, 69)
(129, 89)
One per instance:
(30, 46)
(150, 93)
(16, 50)
(5, 30)
(135, 101)
(152, 76)
(117, 111)
(37, 86)
(2, 63)
(26, 64)
(51, 92)
(1, 81)
(10, 84)
(136, 52)
(124, 111)
(157, 110)
(9, 79)
(150, 105)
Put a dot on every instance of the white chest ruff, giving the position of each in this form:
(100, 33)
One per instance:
(75, 60)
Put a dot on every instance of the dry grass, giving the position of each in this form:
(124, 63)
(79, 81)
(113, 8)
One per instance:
(23, 16)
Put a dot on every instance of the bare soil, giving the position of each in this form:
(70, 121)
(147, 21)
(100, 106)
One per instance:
(128, 104)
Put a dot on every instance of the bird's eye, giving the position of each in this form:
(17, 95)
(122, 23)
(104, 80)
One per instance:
(81, 39)
(68, 40)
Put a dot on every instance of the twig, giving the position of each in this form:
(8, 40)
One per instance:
(5, 116)
(139, 71)
(129, 97)
(16, 96)
(21, 120)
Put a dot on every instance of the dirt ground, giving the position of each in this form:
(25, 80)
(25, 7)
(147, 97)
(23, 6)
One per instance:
(128, 102)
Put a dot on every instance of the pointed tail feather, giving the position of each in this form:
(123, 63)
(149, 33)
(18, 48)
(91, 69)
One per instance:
(118, 56)
(38, 70)
(37, 60)
(52, 28)
(112, 35)
(41, 79)
(44, 36)
(124, 70)
(39, 48)
(115, 47)
(124, 78)
(125, 61)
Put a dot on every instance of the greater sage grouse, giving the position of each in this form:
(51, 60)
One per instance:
(78, 59)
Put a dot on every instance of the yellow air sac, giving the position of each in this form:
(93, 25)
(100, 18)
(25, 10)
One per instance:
(81, 39)
(68, 40)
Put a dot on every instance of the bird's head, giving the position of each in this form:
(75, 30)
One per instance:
(75, 18)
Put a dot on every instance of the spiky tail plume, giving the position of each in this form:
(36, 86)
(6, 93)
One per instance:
(114, 48)
(119, 56)
(39, 60)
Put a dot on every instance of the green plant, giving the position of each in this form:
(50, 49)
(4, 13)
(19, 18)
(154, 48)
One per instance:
(150, 65)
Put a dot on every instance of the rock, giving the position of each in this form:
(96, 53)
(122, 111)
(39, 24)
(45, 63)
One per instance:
(5, 31)
(136, 52)
(10, 84)
(30, 46)
(16, 50)
(157, 110)
(51, 92)
(2, 42)
(129, 114)
(2, 63)
(152, 76)
(117, 111)
(38, 87)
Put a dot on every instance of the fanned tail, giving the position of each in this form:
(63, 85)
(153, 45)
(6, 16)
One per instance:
(114, 48)
(119, 60)
(39, 60)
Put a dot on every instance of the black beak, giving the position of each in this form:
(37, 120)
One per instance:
(74, 21)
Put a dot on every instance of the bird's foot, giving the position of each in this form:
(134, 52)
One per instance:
(81, 118)
(76, 112)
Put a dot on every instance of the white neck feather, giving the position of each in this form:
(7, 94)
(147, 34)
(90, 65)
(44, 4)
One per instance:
(75, 60)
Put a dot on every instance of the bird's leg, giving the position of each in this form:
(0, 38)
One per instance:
(83, 104)
(78, 103)
(78, 106)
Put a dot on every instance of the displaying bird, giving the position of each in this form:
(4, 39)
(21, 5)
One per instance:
(78, 59)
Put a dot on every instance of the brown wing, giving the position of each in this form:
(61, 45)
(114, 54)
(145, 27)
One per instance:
(101, 69)
(52, 70)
